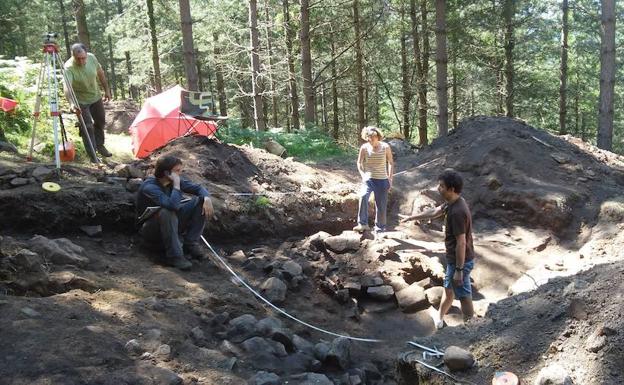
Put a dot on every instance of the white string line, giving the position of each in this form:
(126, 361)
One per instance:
(285, 192)
(262, 193)
(279, 309)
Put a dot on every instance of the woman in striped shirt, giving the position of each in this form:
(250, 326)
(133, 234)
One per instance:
(376, 167)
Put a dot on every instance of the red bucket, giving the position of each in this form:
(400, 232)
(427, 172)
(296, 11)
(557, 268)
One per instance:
(67, 152)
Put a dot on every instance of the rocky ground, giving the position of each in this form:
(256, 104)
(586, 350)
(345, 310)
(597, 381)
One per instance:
(83, 303)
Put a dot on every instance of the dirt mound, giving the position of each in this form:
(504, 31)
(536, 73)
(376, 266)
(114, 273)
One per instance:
(259, 194)
(518, 175)
(120, 114)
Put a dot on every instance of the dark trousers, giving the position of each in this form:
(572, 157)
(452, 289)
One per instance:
(170, 230)
(95, 119)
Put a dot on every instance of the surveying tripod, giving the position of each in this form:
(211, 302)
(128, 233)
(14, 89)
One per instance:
(49, 65)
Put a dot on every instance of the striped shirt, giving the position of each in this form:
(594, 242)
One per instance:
(376, 162)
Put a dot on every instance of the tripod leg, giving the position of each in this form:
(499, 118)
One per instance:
(53, 97)
(37, 109)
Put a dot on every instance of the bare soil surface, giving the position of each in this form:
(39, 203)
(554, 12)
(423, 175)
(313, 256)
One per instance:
(120, 114)
(98, 309)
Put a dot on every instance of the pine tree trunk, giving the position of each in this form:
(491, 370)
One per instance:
(366, 98)
(219, 76)
(604, 137)
(213, 104)
(243, 105)
(200, 74)
(334, 74)
(190, 67)
(335, 111)
(421, 58)
(111, 57)
(441, 68)
(81, 23)
(292, 81)
(563, 79)
(65, 30)
(425, 62)
(508, 15)
(122, 90)
(359, 76)
(324, 107)
(454, 100)
(500, 87)
(23, 50)
(154, 38)
(406, 87)
(576, 107)
(306, 63)
(112, 61)
(256, 85)
(317, 100)
(472, 102)
(344, 112)
(270, 72)
(377, 114)
(132, 88)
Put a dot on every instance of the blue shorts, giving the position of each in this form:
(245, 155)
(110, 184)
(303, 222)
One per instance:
(464, 290)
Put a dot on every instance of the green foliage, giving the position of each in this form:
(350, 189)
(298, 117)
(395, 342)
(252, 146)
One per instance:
(16, 123)
(257, 204)
(263, 202)
(312, 144)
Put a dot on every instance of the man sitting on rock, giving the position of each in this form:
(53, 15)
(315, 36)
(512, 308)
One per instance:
(459, 247)
(165, 217)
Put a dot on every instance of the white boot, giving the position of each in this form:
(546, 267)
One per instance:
(361, 228)
(435, 316)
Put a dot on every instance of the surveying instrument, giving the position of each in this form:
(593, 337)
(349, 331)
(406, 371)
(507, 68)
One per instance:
(50, 64)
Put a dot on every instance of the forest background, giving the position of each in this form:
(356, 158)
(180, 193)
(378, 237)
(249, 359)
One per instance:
(412, 67)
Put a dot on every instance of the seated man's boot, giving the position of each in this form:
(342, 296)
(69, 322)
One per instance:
(195, 251)
(179, 263)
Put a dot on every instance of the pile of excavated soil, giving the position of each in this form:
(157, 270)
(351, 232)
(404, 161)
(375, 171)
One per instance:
(119, 115)
(259, 194)
(517, 175)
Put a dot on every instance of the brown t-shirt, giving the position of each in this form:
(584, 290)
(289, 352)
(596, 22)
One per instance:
(457, 220)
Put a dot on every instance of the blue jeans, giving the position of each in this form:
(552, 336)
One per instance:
(380, 188)
(465, 290)
(165, 227)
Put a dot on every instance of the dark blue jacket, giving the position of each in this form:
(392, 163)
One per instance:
(152, 193)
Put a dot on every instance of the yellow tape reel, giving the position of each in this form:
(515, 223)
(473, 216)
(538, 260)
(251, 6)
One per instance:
(51, 186)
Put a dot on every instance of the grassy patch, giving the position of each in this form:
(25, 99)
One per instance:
(306, 145)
